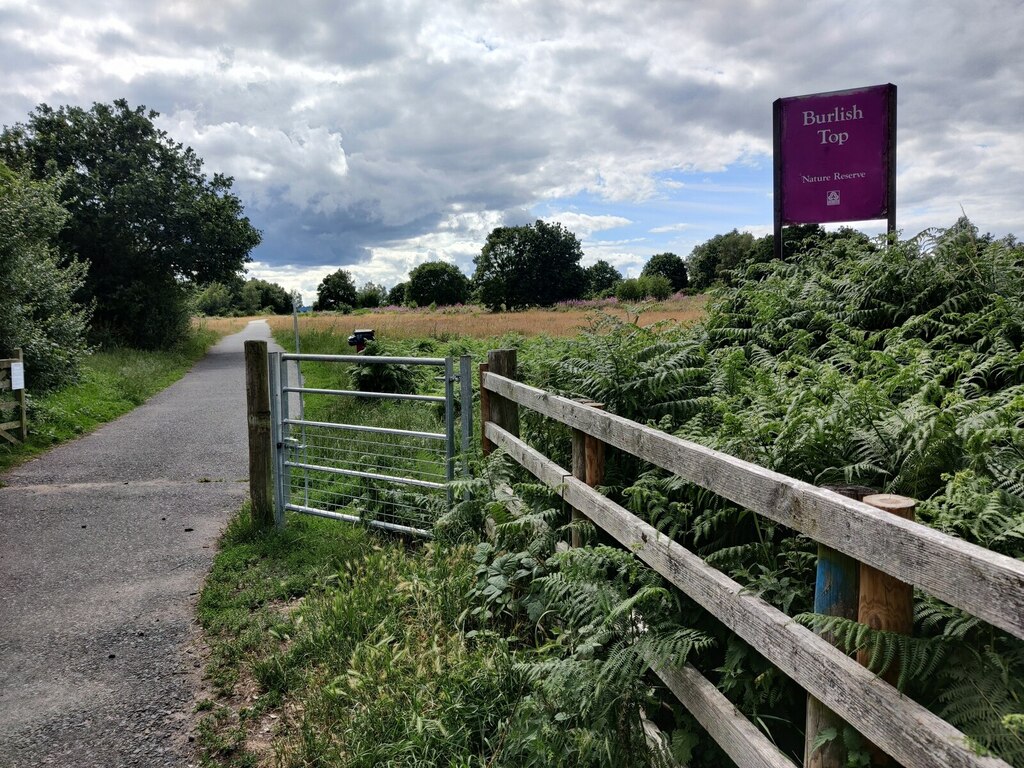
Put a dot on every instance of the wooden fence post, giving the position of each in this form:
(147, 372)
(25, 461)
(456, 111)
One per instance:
(587, 465)
(486, 446)
(257, 399)
(503, 412)
(835, 594)
(886, 603)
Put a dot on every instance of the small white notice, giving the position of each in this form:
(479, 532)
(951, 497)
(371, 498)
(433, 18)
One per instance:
(17, 376)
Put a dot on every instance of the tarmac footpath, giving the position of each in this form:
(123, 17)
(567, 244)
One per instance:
(104, 545)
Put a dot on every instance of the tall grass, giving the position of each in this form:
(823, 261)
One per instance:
(348, 646)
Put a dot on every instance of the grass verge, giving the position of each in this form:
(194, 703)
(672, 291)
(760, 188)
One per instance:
(331, 645)
(113, 383)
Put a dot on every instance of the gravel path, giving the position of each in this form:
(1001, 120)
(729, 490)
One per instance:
(104, 543)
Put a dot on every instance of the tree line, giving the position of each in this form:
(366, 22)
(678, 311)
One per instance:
(530, 265)
(539, 265)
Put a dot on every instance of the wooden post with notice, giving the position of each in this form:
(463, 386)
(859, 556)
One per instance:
(257, 397)
(501, 411)
(22, 405)
(12, 379)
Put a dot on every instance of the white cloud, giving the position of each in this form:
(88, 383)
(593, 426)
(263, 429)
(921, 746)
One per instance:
(583, 225)
(670, 228)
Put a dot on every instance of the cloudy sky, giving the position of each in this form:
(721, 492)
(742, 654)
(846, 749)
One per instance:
(376, 135)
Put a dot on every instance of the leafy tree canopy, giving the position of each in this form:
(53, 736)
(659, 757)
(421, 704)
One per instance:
(437, 282)
(259, 296)
(371, 295)
(712, 260)
(533, 264)
(667, 265)
(143, 215)
(336, 292)
(601, 279)
(38, 312)
(396, 296)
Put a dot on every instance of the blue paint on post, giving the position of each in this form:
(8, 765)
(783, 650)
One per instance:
(836, 586)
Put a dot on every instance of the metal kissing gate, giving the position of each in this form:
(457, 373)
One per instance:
(360, 462)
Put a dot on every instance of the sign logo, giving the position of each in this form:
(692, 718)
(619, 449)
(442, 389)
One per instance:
(832, 198)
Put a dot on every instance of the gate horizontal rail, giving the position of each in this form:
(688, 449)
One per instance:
(381, 359)
(361, 428)
(365, 475)
(360, 393)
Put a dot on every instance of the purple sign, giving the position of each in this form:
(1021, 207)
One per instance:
(835, 156)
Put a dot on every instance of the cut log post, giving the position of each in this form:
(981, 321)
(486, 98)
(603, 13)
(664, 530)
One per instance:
(835, 594)
(257, 398)
(579, 471)
(885, 603)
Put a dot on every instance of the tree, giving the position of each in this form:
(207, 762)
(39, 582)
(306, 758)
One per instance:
(371, 295)
(38, 312)
(396, 296)
(336, 292)
(437, 282)
(143, 215)
(214, 300)
(715, 259)
(259, 296)
(655, 287)
(533, 264)
(668, 265)
(601, 279)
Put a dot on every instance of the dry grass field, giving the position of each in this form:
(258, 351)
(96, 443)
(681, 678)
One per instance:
(403, 323)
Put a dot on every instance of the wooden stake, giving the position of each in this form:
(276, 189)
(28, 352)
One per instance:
(257, 397)
(579, 471)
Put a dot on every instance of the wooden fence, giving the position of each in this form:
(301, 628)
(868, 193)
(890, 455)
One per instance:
(12, 400)
(984, 583)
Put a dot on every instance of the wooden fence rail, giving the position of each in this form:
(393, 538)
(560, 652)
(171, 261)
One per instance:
(15, 431)
(979, 581)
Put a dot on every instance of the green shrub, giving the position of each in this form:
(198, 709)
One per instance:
(38, 312)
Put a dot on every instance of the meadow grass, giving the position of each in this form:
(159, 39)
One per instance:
(403, 323)
(113, 382)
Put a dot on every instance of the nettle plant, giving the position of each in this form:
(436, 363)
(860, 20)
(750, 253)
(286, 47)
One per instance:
(896, 365)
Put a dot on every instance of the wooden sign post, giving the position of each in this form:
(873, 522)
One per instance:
(12, 379)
